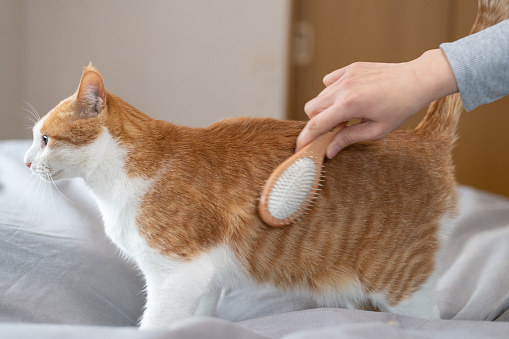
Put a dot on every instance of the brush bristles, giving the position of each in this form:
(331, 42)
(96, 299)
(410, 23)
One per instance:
(295, 190)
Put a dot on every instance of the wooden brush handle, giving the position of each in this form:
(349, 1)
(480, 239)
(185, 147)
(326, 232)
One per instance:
(319, 145)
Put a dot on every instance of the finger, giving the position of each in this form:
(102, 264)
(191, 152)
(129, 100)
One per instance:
(317, 105)
(325, 99)
(332, 77)
(350, 135)
(320, 124)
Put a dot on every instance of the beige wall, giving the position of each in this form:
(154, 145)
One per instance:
(12, 119)
(187, 61)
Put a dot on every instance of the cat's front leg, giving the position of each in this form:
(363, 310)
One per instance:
(208, 304)
(174, 290)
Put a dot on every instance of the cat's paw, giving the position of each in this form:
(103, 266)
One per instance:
(151, 323)
(161, 320)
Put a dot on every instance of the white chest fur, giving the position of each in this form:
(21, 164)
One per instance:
(117, 195)
(119, 216)
(174, 286)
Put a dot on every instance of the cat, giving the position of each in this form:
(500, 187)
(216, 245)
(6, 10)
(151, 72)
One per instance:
(181, 203)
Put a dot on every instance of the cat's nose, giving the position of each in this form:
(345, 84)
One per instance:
(28, 164)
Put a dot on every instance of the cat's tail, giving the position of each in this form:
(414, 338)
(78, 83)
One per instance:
(443, 114)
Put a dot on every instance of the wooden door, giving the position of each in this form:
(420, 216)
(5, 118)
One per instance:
(330, 34)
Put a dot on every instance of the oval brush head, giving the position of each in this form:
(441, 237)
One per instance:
(293, 186)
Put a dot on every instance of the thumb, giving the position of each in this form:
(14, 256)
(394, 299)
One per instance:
(350, 135)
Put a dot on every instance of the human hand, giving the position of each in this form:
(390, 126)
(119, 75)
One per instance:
(382, 96)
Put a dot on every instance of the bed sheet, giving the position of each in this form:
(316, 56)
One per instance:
(61, 277)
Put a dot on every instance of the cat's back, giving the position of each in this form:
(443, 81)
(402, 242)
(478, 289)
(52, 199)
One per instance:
(207, 186)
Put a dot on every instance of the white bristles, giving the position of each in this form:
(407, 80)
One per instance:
(295, 185)
(292, 188)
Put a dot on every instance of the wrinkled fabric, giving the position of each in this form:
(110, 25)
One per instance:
(61, 277)
(56, 264)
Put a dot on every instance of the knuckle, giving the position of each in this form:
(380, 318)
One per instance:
(313, 106)
(326, 80)
(318, 104)
(360, 64)
(309, 107)
(354, 67)
(330, 78)
(313, 125)
(351, 100)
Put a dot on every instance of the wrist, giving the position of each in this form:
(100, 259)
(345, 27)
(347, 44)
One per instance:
(435, 73)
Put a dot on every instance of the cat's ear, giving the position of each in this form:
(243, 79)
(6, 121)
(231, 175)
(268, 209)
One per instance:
(91, 96)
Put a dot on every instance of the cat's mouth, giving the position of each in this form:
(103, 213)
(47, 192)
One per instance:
(48, 176)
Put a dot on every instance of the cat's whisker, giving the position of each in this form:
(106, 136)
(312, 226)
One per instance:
(34, 207)
(33, 111)
(62, 194)
(41, 202)
(32, 123)
(32, 118)
(29, 212)
(54, 204)
(32, 176)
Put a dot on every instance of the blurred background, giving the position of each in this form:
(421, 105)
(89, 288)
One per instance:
(195, 62)
(186, 61)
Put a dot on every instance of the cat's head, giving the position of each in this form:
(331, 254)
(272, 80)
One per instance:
(65, 139)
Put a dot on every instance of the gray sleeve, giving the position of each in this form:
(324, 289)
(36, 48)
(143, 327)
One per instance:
(480, 63)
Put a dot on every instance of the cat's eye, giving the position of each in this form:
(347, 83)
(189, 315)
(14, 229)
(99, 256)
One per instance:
(45, 139)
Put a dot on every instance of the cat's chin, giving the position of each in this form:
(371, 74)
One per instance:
(50, 177)
(58, 175)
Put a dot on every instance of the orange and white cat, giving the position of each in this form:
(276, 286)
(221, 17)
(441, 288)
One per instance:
(182, 203)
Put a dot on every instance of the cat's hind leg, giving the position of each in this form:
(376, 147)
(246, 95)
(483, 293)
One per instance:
(422, 304)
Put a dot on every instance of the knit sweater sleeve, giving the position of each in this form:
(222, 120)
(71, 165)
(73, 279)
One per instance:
(480, 63)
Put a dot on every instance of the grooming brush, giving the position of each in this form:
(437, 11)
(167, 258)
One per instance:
(293, 186)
